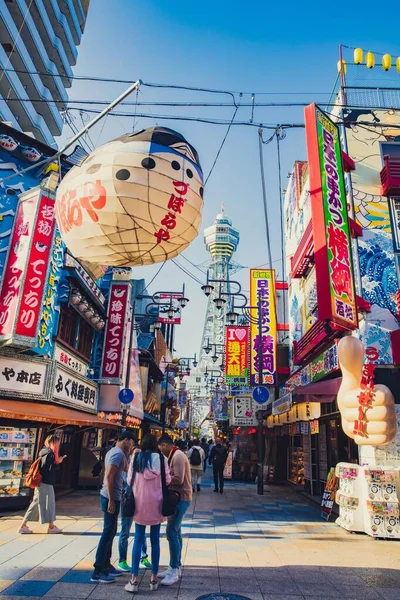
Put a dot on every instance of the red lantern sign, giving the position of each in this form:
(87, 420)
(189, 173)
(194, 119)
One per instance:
(114, 341)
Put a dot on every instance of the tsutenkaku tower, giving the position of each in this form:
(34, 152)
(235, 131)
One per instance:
(221, 240)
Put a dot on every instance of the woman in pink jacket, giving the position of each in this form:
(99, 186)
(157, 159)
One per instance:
(147, 490)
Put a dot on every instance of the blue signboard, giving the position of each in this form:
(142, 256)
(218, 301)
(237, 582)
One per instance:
(261, 394)
(126, 396)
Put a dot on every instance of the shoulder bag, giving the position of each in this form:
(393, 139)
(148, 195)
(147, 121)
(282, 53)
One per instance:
(127, 498)
(171, 498)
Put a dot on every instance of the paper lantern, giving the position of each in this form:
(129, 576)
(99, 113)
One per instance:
(358, 56)
(136, 200)
(398, 64)
(370, 60)
(386, 62)
(342, 67)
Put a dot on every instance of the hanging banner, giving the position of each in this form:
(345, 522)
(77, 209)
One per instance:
(166, 302)
(262, 287)
(331, 232)
(50, 305)
(114, 339)
(33, 286)
(15, 266)
(237, 355)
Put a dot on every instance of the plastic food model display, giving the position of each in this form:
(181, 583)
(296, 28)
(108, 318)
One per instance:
(136, 200)
(16, 454)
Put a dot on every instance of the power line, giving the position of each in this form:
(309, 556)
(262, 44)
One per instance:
(155, 276)
(187, 272)
(222, 145)
(191, 263)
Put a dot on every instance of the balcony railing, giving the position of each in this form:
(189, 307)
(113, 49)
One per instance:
(390, 176)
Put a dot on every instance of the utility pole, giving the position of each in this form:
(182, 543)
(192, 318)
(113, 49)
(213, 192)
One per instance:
(259, 413)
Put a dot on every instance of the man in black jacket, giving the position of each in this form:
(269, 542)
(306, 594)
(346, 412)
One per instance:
(217, 459)
(206, 449)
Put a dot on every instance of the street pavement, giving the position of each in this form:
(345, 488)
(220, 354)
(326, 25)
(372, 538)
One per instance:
(274, 546)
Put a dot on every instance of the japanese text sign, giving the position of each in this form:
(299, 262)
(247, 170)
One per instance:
(331, 233)
(237, 355)
(175, 206)
(50, 305)
(262, 290)
(14, 270)
(68, 359)
(22, 378)
(167, 302)
(73, 390)
(243, 411)
(115, 333)
(33, 286)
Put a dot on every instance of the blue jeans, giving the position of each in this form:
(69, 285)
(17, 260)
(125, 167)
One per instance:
(126, 524)
(104, 549)
(174, 535)
(140, 536)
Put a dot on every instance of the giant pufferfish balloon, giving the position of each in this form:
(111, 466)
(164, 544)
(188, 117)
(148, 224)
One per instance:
(136, 200)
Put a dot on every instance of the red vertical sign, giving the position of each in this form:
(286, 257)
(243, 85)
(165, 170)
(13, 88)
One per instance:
(15, 266)
(36, 272)
(115, 332)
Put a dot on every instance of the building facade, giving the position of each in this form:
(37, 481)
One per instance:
(37, 51)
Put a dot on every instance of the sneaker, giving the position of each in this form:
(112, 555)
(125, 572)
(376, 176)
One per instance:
(24, 529)
(124, 567)
(165, 573)
(216, 491)
(172, 578)
(102, 578)
(54, 529)
(153, 584)
(145, 563)
(113, 572)
(132, 587)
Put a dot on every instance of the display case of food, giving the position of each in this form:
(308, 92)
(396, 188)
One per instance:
(16, 454)
(296, 466)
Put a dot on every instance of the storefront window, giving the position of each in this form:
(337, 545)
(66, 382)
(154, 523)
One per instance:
(85, 339)
(16, 455)
(74, 331)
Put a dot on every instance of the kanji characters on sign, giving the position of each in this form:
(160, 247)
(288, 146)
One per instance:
(175, 205)
(115, 332)
(237, 354)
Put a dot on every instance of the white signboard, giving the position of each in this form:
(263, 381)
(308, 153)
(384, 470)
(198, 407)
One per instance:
(74, 390)
(68, 359)
(243, 411)
(22, 378)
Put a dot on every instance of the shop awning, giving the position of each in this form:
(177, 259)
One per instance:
(49, 413)
(321, 391)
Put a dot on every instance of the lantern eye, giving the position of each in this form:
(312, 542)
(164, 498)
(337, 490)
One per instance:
(148, 163)
(201, 191)
(94, 168)
(122, 174)
(189, 173)
(175, 165)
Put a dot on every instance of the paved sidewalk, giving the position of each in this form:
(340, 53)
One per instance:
(263, 547)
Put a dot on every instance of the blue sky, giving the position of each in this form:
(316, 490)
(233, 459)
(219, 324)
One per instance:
(287, 50)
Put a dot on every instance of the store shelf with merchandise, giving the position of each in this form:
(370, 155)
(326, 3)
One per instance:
(16, 455)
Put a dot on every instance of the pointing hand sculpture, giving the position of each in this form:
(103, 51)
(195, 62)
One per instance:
(368, 417)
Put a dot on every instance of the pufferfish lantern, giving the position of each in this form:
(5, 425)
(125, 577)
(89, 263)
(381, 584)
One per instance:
(136, 200)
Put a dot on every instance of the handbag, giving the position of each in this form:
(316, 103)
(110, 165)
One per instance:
(171, 498)
(127, 498)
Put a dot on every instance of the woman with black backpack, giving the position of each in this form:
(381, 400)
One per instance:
(43, 506)
(197, 457)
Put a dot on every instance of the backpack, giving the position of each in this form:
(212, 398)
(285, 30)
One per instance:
(195, 457)
(33, 477)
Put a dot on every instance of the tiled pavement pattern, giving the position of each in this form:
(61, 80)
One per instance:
(264, 547)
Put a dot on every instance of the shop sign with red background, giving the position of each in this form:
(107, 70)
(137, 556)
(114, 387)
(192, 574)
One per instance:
(237, 355)
(26, 268)
(331, 232)
(165, 303)
(114, 340)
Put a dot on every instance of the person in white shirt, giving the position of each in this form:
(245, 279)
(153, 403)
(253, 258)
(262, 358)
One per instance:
(197, 457)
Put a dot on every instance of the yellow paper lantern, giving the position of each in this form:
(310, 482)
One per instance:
(342, 67)
(136, 200)
(386, 62)
(358, 56)
(398, 64)
(370, 60)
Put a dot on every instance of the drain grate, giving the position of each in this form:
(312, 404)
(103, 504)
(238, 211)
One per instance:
(222, 596)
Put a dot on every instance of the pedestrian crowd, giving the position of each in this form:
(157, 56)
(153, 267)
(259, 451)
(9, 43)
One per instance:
(144, 485)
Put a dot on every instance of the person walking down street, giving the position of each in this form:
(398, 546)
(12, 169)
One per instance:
(181, 482)
(206, 449)
(218, 458)
(126, 526)
(43, 506)
(145, 473)
(110, 501)
(197, 458)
